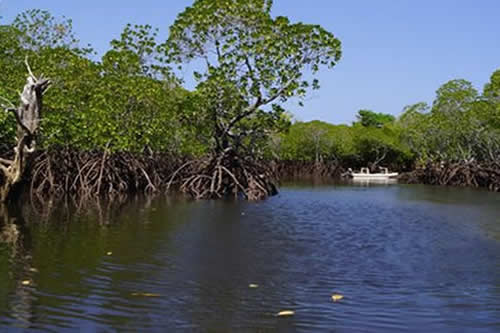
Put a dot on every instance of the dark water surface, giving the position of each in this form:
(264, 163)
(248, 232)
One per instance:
(406, 258)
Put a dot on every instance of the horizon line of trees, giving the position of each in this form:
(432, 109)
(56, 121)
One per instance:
(461, 126)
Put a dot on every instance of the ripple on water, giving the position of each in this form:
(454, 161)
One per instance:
(404, 259)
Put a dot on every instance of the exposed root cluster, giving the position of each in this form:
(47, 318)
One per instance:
(66, 172)
(85, 175)
(305, 170)
(471, 174)
(90, 174)
(226, 174)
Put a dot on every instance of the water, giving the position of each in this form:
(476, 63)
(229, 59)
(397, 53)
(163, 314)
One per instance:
(406, 258)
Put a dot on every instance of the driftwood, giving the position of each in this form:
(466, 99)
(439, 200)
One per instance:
(28, 116)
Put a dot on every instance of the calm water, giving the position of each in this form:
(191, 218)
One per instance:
(406, 258)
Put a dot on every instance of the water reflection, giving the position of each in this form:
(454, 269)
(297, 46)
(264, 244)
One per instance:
(371, 182)
(323, 182)
(16, 265)
(404, 257)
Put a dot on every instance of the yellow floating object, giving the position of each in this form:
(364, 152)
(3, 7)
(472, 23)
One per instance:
(33, 270)
(146, 295)
(252, 285)
(26, 282)
(285, 313)
(337, 297)
(109, 253)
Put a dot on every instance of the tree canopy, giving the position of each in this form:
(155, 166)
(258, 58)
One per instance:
(368, 118)
(251, 63)
(462, 125)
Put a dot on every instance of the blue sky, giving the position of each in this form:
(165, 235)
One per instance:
(395, 52)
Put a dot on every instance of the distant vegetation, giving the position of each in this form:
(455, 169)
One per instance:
(349, 146)
(462, 125)
(456, 141)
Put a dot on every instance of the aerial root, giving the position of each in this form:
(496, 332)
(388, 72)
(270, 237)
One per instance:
(470, 174)
(100, 173)
(308, 169)
(226, 175)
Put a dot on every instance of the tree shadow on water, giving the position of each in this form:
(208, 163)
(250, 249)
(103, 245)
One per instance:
(17, 282)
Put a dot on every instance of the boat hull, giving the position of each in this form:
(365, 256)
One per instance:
(369, 176)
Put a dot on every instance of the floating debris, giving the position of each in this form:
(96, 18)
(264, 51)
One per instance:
(253, 285)
(26, 283)
(109, 253)
(146, 295)
(33, 270)
(337, 297)
(285, 313)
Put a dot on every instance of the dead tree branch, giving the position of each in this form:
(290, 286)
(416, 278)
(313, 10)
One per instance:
(28, 116)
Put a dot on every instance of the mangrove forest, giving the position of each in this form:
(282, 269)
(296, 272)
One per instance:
(81, 124)
(249, 166)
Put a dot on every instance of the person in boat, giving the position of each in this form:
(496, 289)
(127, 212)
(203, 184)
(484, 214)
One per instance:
(348, 173)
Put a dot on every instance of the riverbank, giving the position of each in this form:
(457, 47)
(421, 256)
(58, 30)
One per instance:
(305, 170)
(66, 172)
(100, 173)
(465, 174)
(471, 174)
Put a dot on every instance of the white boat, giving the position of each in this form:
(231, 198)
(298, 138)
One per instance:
(366, 175)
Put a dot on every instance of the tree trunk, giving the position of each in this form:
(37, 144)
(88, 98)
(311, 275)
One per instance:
(28, 116)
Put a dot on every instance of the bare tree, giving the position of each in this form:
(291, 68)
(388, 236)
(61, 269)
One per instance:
(28, 116)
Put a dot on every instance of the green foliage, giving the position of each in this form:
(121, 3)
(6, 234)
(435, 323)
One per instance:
(127, 102)
(10, 63)
(39, 29)
(351, 146)
(462, 125)
(369, 118)
(454, 96)
(376, 146)
(144, 51)
(491, 107)
(492, 89)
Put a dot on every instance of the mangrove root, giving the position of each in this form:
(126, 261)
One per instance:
(470, 174)
(226, 174)
(99, 173)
